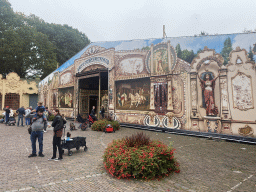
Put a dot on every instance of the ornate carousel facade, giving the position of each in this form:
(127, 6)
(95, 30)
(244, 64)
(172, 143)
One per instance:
(144, 82)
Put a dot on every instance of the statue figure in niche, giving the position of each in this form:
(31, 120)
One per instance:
(208, 84)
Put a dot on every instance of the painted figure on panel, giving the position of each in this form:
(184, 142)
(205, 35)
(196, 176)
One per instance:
(160, 61)
(133, 94)
(66, 97)
(119, 99)
(208, 85)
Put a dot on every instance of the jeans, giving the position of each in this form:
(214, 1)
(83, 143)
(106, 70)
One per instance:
(27, 121)
(7, 117)
(20, 117)
(39, 135)
(56, 143)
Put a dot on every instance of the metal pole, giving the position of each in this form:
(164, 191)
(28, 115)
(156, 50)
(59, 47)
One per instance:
(99, 97)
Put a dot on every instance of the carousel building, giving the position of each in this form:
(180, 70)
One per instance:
(145, 82)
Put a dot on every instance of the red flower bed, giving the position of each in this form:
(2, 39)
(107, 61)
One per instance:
(138, 157)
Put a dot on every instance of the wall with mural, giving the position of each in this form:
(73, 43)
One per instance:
(200, 83)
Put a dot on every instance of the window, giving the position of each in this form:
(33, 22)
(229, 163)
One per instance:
(12, 100)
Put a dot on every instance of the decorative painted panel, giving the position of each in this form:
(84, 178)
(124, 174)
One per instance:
(133, 94)
(130, 66)
(242, 92)
(66, 97)
(66, 78)
(224, 93)
(178, 95)
(193, 94)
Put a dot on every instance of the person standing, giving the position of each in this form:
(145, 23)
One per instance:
(58, 125)
(38, 126)
(27, 118)
(102, 111)
(7, 114)
(21, 113)
(92, 114)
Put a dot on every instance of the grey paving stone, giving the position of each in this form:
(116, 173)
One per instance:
(206, 165)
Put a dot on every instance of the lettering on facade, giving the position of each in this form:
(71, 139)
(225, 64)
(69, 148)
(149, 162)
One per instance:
(92, 60)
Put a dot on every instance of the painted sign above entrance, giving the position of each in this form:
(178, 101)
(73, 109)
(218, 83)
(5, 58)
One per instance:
(94, 60)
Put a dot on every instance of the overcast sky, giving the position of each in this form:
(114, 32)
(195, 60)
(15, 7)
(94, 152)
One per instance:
(110, 20)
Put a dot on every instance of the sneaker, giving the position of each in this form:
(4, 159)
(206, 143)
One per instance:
(32, 155)
(51, 159)
(41, 155)
(59, 159)
(45, 131)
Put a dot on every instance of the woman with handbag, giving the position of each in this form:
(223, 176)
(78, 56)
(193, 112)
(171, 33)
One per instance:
(57, 124)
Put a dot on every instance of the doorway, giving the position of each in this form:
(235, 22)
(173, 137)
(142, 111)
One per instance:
(93, 101)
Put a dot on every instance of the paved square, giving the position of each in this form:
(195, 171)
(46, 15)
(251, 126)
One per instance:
(206, 165)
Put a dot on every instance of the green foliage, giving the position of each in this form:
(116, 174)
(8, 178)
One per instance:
(100, 125)
(226, 50)
(154, 160)
(33, 48)
(146, 48)
(67, 41)
(178, 51)
(250, 54)
(185, 54)
(51, 117)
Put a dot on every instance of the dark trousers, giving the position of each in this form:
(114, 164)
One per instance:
(34, 135)
(6, 117)
(20, 117)
(56, 143)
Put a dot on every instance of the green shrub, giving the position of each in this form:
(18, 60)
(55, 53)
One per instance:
(100, 125)
(141, 160)
(1, 116)
(51, 117)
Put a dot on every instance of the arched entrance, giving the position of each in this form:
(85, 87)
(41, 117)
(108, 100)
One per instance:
(93, 90)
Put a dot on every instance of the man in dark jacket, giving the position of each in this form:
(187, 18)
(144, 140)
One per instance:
(58, 125)
(21, 113)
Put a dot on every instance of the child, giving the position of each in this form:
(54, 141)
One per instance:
(40, 106)
(68, 137)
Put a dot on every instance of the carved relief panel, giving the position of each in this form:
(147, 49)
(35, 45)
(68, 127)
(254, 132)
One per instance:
(242, 92)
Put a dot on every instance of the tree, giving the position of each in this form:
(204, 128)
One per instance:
(26, 52)
(185, 54)
(178, 50)
(188, 55)
(250, 54)
(33, 48)
(226, 50)
(67, 41)
(145, 48)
